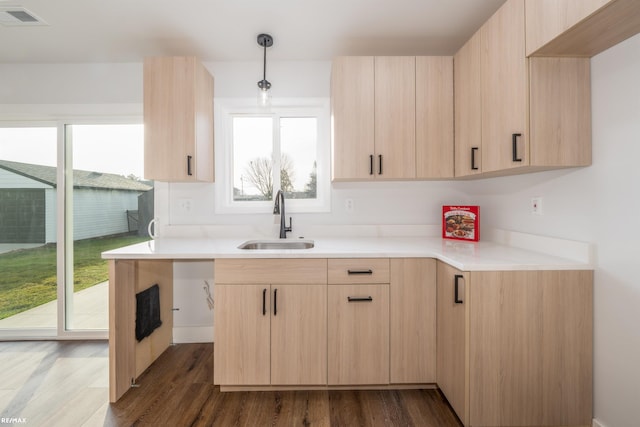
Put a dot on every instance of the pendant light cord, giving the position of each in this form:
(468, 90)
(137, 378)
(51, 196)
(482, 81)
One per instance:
(264, 62)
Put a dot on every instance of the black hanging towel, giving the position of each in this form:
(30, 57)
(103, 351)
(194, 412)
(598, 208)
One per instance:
(147, 312)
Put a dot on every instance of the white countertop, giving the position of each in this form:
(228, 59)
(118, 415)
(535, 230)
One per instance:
(466, 256)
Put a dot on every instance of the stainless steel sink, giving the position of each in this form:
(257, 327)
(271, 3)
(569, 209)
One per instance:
(277, 244)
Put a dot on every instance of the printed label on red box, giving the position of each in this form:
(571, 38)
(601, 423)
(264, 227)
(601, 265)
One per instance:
(461, 222)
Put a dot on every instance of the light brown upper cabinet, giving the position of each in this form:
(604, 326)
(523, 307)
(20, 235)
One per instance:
(178, 120)
(535, 113)
(579, 27)
(395, 117)
(352, 118)
(503, 71)
(391, 118)
(373, 116)
(468, 108)
(434, 117)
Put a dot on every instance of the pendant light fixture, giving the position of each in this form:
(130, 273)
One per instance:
(264, 96)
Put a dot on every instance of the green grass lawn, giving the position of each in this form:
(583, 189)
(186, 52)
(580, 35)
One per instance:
(28, 276)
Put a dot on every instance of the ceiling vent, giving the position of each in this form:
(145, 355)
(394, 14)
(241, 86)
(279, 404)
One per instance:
(14, 16)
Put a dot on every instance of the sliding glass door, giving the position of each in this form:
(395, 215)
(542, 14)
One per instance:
(68, 192)
(107, 200)
(28, 230)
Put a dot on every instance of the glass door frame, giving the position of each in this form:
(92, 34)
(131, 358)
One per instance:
(64, 226)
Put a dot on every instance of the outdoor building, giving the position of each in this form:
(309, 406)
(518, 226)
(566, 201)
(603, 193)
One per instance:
(103, 204)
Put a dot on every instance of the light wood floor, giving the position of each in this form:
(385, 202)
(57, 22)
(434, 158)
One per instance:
(66, 384)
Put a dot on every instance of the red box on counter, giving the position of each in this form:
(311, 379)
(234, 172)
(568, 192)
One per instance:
(461, 223)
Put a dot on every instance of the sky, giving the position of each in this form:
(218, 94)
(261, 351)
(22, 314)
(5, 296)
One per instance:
(117, 149)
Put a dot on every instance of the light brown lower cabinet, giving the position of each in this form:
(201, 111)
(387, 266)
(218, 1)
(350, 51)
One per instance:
(270, 322)
(507, 348)
(514, 348)
(358, 321)
(358, 335)
(271, 335)
(242, 353)
(412, 321)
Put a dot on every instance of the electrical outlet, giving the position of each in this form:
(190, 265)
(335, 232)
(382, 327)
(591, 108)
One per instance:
(348, 205)
(185, 205)
(536, 206)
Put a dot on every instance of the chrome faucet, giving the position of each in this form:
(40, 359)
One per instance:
(276, 210)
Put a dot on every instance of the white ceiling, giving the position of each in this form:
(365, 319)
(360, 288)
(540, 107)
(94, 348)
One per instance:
(226, 30)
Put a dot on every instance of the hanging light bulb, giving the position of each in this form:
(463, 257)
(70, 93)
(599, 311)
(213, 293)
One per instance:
(264, 95)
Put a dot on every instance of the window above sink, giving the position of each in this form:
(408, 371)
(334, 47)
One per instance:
(264, 150)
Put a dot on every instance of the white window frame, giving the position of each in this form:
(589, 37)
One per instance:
(226, 110)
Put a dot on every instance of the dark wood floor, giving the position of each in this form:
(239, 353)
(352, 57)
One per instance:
(65, 384)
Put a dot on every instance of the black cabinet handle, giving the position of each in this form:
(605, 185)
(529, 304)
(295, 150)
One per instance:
(514, 145)
(474, 150)
(456, 297)
(359, 299)
(264, 302)
(275, 302)
(189, 165)
(359, 271)
(380, 164)
(371, 164)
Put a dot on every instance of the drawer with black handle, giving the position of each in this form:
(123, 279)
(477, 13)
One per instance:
(358, 270)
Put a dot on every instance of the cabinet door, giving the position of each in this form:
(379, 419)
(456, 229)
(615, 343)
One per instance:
(358, 335)
(467, 107)
(412, 325)
(530, 348)
(504, 90)
(241, 349)
(299, 335)
(178, 119)
(434, 117)
(168, 116)
(452, 350)
(395, 117)
(352, 118)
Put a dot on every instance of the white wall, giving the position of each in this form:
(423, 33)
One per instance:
(192, 318)
(70, 84)
(599, 204)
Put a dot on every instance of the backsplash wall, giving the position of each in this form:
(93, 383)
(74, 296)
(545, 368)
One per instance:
(393, 203)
